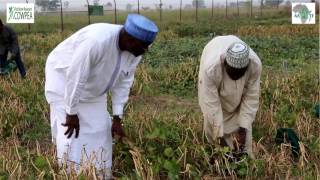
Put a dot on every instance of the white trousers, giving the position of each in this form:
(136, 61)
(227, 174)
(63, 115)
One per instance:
(94, 144)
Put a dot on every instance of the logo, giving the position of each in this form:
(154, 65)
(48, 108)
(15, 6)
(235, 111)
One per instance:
(20, 13)
(303, 13)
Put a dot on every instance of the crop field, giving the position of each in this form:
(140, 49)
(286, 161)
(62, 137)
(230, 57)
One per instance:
(163, 121)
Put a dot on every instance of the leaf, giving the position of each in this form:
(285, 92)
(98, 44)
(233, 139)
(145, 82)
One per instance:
(168, 152)
(168, 165)
(154, 134)
(242, 171)
(40, 162)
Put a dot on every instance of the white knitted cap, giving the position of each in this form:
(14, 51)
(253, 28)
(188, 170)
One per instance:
(237, 55)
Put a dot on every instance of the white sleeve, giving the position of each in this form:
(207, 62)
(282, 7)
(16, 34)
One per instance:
(121, 90)
(209, 102)
(77, 74)
(250, 100)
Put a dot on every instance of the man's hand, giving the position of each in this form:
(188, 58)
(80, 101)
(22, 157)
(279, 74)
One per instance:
(241, 138)
(72, 122)
(222, 142)
(117, 127)
(12, 57)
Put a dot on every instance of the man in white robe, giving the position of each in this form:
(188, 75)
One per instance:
(79, 72)
(229, 90)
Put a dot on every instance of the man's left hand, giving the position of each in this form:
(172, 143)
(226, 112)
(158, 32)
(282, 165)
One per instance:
(12, 57)
(72, 123)
(117, 127)
(241, 138)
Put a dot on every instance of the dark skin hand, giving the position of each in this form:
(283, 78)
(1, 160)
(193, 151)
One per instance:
(13, 56)
(237, 153)
(116, 128)
(72, 122)
(222, 142)
(241, 139)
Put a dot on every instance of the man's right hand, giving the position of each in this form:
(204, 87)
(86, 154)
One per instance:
(72, 122)
(241, 139)
(117, 127)
(222, 142)
(13, 56)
